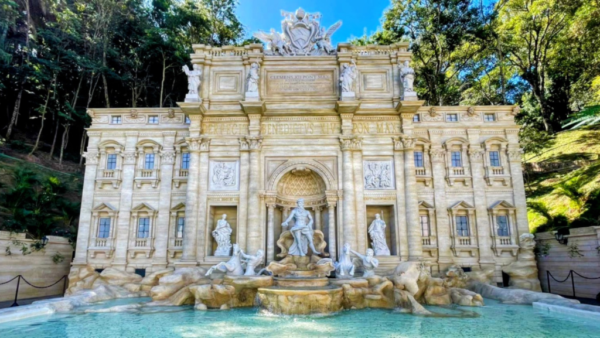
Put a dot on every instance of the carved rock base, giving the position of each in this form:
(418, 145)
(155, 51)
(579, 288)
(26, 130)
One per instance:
(301, 301)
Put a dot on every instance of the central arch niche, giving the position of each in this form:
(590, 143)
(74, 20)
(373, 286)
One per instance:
(300, 182)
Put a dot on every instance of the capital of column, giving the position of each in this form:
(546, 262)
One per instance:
(514, 153)
(198, 144)
(475, 153)
(251, 143)
(91, 158)
(129, 157)
(437, 155)
(408, 142)
(167, 157)
(351, 143)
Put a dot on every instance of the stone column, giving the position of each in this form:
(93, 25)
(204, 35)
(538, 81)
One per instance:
(402, 231)
(331, 210)
(359, 188)
(285, 212)
(190, 228)
(270, 231)
(161, 234)
(87, 205)
(243, 201)
(317, 211)
(348, 205)
(253, 234)
(441, 213)
(482, 225)
(124, 217)
(415, 244)
(516, 172)
(202, 214)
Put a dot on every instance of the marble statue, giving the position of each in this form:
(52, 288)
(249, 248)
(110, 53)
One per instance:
(233, 267)
(193, 82)
(408, 77)
(345, 267)
(523, 272)
(368, 262)
(222, 235)
(302, 230)
(377, 233)
(347, 77)
(252, 79)
(302, 35)
(252, 262)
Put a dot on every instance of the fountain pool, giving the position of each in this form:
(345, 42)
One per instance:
(492, 320)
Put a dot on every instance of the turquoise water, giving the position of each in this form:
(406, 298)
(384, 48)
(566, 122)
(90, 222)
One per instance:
(492, 320)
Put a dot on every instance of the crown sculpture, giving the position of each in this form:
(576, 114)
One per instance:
(302, 35)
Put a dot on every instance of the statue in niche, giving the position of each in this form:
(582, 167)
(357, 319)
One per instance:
(368, 262)
(193, 78)
(408, 77)
(345, 267)
(252, 79)
(222, 235)
(224, 175)
(233, 267)
(377, 233)
(348, 76)
(302, 230)
(252, 262)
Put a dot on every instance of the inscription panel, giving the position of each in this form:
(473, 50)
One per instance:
(235, 128)
(304, 83)
(300, 128)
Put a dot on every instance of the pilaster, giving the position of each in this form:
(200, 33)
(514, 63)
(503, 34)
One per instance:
(349, 224)
(441, 213)
(87, 204)
(253, 236)
(402, 233)
(415, 244)
(516, 171)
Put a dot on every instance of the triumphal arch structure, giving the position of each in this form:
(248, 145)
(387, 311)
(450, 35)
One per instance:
(265, 125)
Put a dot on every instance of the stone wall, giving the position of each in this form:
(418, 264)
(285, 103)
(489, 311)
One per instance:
(38, 267)
(559, 261)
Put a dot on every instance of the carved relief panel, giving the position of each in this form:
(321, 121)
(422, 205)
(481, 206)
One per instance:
(224, 175)
(379, 174)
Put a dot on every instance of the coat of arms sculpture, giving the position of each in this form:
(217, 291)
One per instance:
(302, 35)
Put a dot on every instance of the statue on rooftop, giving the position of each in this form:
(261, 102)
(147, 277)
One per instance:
(347, 77)
(252, 79)
(194, 81)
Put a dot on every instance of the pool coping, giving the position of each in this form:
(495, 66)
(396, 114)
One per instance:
(580, 310)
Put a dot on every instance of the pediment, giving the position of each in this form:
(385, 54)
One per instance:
(143, 207)
(105, 207)
(178, 207)
(425, 205)
(461, 205)
(502, 204)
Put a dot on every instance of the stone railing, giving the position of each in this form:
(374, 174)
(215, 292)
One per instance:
(426, 241)
(148, 176)
(112, 176)
(224, 52)
(420, 171)
(141, 242)
(180, 176)
(505, 240)
(464, 241)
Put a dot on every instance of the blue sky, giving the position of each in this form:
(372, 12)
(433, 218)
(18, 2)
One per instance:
(356, 15)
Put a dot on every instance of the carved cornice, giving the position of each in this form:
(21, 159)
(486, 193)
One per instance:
(244, 144)
(398, 145)
(408, 142)
(254, 143)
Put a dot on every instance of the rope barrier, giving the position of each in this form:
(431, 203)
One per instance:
(560, 281)
(19, 277)
(584, 277)
(570, 275)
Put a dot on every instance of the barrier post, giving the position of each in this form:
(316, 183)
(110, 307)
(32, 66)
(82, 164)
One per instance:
(573, 283)
(548, 277)
(17, 292)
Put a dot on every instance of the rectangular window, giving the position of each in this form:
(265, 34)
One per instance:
(417, 118)
(425, 226)
(494, 158)
(143, 228)
(502, 222)
(149, 161)
(489, 117)
(187, 120)
(185, 161)
(451, 117)
(180, 224)
(115, 119)
(104, 227)
(456, 159)
(153, 119)
(462, 226)
(111, 162)
(419, 159)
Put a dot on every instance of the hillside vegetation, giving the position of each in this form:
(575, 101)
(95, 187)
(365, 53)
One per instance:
(568, 196)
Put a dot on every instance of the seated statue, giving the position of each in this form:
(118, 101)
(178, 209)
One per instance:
(252, 262)
(345, 267)
(368, 262)
(302, 230)
(233, 267)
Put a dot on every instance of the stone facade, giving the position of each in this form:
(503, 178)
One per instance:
(447, 181)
